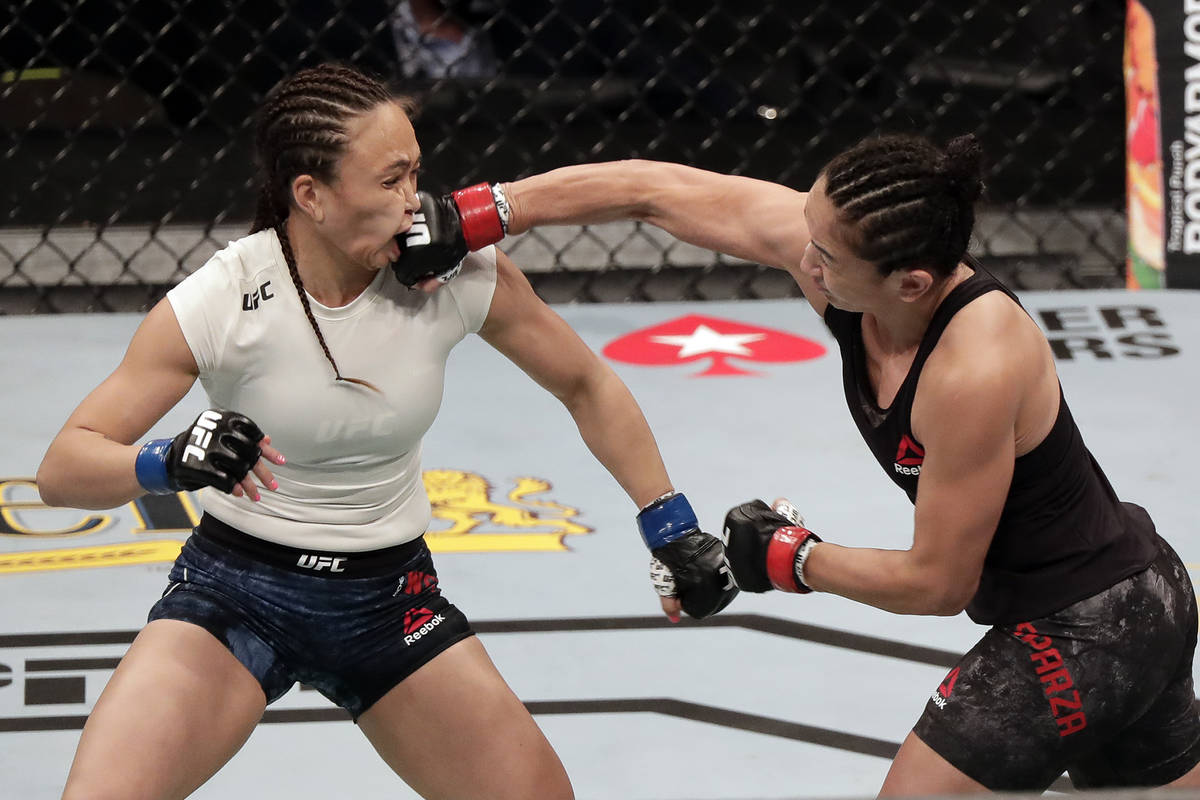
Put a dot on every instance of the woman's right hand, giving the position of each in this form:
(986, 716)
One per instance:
(219, 449)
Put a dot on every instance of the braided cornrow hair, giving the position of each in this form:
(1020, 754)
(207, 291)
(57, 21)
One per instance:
(301, 130)
(909, 203)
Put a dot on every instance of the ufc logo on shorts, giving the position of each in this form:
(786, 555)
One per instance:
(201, 435)
(318, 563)
(418, 234)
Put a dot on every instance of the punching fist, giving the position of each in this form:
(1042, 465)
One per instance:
(446, 228)
(687, 562)
(767, 549)
(218, 449)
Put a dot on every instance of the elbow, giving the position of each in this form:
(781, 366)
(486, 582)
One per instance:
(650, 188)
(48, 488)
(947, 608)
(581, 393)
(951, 600)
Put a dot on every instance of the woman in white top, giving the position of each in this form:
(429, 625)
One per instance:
(301, 329)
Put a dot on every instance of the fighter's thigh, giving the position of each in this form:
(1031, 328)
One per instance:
(919, 770)
(178, 706)
(455, 729)
(994, 721)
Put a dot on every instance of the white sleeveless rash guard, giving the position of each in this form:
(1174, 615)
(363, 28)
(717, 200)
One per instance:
(352, 480)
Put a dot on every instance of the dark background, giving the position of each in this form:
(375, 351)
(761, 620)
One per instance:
(151, 122)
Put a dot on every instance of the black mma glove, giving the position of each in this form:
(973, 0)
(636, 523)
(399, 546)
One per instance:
(687, 562)
(766, 549)
(218, 449)
(446, 228)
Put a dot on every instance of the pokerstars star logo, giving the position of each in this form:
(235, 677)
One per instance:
(696, 337)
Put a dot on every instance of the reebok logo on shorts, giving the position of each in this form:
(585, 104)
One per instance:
(418, 622)
(909, 457)
(942, 694)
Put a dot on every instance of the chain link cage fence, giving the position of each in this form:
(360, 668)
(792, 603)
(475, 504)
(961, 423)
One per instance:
(127, 123)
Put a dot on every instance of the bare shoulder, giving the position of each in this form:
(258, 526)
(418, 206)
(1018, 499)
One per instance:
(986, 360)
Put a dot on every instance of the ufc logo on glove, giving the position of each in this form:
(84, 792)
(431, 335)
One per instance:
(201, 435)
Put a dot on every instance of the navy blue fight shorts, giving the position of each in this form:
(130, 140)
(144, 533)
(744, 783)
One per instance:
(351, 625)
(1101, 689)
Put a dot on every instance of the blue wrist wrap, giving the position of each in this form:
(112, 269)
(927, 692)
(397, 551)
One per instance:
(151, 467)
(666, 520)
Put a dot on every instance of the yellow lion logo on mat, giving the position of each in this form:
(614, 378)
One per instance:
(464, 500)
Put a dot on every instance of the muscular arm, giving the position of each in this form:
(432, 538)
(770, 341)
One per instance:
(612, 425)
(965, 419)
(756, 220)
(90, 462)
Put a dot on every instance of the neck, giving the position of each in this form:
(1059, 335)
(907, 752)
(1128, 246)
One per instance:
(902, 327)
(326, 273)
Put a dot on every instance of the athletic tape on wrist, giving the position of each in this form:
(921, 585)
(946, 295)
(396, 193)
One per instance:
(665, 520)
(150, 467)
(502, 208)
(801, 557)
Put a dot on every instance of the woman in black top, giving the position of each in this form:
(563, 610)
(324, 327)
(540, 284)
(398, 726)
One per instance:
(1088, 664)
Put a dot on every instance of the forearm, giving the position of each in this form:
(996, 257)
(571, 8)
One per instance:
(892, 580)
(84, 469)
(741, 217)
(615, 430)
(583, 194)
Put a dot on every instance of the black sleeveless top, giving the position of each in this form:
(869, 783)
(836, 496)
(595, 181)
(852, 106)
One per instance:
(1063, 534)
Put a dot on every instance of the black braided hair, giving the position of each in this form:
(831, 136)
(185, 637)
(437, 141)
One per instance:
(301, 130)
(908, 203)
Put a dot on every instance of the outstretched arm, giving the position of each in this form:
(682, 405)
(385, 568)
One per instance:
(612, 425)
(755, 220)
(742, 217)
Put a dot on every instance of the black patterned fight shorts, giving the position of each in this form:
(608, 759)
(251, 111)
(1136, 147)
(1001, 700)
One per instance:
(1101, 689)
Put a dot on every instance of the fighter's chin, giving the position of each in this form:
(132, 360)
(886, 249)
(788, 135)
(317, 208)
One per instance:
(384, 257)
(833, 301)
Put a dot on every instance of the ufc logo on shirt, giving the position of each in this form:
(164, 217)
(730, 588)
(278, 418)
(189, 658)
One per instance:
(201, 435)
(250, 300)
(318, 563)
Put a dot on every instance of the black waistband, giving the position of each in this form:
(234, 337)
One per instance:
(325, 563)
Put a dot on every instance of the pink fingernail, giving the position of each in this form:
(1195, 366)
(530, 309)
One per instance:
(274, 484)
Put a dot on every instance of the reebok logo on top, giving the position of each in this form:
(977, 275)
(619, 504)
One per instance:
(909, 457)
